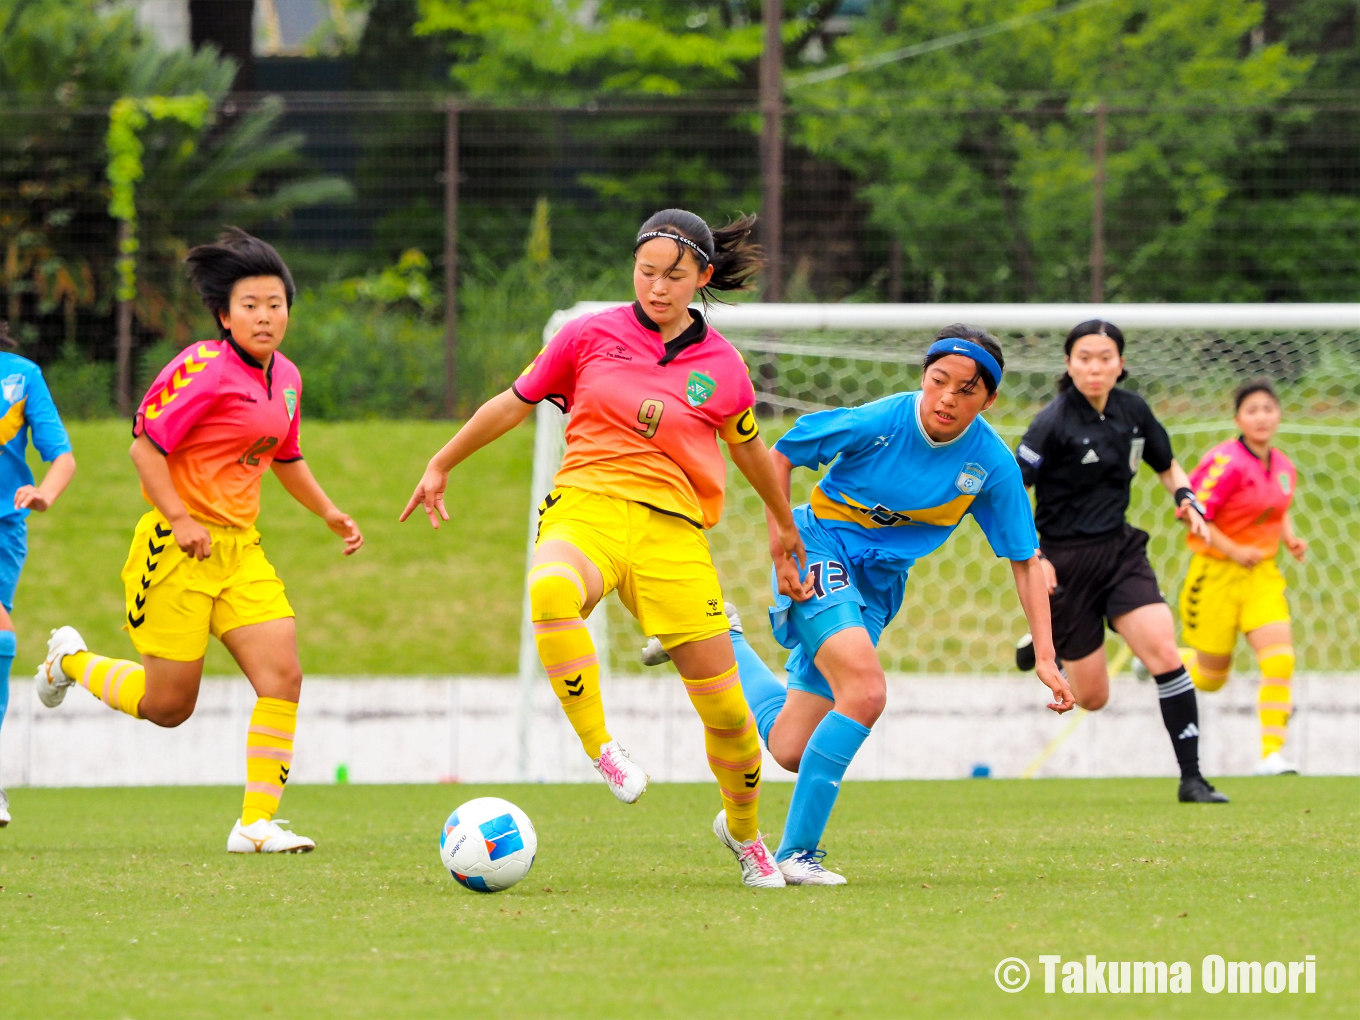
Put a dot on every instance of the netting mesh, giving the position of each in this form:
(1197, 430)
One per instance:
(961, 614)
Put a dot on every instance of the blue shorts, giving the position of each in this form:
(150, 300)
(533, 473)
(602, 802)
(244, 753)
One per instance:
(13, 552)
(848, 593)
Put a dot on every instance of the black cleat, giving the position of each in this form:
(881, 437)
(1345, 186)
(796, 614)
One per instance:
(1196, 790)
(1025, 658)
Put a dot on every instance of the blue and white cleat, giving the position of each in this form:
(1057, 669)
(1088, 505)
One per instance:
(806, 869)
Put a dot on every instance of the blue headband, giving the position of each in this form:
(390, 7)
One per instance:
(954, 345)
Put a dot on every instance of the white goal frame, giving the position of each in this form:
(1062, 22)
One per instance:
(548, 440)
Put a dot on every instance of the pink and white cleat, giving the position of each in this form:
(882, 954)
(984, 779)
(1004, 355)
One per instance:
(758, 869)
(624, 777)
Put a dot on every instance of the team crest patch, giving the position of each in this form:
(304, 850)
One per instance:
(970, 479)
(1285, 484)
(290, 401)
(699, 388)
(13, 386)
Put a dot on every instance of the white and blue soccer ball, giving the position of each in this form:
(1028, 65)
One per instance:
(488, 844)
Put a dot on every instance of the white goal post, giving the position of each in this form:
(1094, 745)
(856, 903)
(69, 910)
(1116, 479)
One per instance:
(960, 613)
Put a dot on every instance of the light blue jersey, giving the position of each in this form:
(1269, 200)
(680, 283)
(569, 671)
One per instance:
(25, 408)
(894, 490)
(891, 496)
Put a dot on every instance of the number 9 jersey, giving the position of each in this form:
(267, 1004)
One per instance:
(645, 415)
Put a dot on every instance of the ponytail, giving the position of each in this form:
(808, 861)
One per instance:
(735, 258)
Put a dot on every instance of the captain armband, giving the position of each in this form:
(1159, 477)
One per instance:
(740, 429)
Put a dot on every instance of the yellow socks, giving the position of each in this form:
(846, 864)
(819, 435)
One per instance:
(733, 749)
(116, 682)
(1205, 679)
(556, 595)
(269, 756)
(1274, 701)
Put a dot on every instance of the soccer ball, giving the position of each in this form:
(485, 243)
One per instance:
(488, 844)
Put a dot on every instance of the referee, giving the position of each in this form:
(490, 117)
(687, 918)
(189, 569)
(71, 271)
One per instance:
(1080, 454)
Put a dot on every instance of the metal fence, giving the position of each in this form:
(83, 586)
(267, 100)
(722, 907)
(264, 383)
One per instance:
(1040, 203)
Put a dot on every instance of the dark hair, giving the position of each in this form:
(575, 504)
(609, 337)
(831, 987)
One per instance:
(236, 255)
(735, 258)
(1091, 327)
(979, 336)
(1253, 386)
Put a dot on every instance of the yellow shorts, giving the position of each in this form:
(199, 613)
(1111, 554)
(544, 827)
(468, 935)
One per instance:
(175, 601)
(660, 564)
(1222, 599)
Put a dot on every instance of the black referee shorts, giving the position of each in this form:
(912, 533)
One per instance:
(1098, 580)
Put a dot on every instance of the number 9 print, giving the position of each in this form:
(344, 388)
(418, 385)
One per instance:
(649, 417)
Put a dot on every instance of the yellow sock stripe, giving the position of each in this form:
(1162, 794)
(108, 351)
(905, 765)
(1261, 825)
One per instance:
(740, 731)
(559, 669)
(735, 766)
(282, 754)
(558, 626)
(741, 796)
(113, 683)
(268, 789)
(713, 685)
(562, 570)
(1275, 731)
(270, 731)
(87, 674)
(1275, 706)
(1269, 651)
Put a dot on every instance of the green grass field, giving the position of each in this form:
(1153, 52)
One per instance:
(410, 602)
(121, 902)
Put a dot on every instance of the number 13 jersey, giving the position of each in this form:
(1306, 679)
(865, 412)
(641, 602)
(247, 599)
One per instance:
(221, 418)
(645, 415)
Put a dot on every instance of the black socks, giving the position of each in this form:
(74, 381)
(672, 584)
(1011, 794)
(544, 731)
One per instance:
(1180, 713)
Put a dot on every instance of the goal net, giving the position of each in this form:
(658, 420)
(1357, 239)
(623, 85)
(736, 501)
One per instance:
(961, 614)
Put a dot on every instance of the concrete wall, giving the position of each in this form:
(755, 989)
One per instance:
(466, 729)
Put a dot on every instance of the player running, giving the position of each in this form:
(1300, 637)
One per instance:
(905, 470)
(1233, 585)
(650, 387)
(216, 418)
(27, 410)
(1081, 453)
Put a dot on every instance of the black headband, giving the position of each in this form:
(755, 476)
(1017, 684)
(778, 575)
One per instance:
(679, 239)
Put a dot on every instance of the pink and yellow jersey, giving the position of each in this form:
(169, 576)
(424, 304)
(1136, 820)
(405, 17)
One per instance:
(221, 419)
(1245, 497)
(645, 416)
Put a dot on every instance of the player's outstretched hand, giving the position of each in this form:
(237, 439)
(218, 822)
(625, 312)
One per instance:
(1297, 547)
(193, 538)
(344, 526)
(430, 494)
(790, 560)
(30, 497)
(1055, 682)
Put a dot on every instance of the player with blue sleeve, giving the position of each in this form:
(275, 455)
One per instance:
(905, 470)
(26, 410)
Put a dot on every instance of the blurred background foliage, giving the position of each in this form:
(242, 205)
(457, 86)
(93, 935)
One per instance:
(964, 174)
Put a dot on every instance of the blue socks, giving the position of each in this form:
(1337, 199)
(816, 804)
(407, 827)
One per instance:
(9, 644)
(761, 688)
(832, 747)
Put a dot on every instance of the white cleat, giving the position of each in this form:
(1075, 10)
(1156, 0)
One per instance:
(4, 809)
(654, 655)
(267, 837)
(1275, 764)
(757, 863)
(806, 869)
(51, 681)
(625, 777)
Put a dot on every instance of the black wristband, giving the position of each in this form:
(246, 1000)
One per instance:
(1184, 495)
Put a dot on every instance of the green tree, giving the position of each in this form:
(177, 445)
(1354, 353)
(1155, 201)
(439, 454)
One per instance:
(979, 158)
(62, 64)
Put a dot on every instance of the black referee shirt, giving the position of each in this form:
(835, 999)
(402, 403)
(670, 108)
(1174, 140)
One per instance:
(1081, 462)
